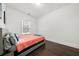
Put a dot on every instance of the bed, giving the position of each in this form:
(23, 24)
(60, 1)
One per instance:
(25, 45)
(28, 43)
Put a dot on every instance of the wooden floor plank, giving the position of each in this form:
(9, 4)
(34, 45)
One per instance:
(54, 49)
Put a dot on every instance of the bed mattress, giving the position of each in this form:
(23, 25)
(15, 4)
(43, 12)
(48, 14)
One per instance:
(27, 40)
(28, 50)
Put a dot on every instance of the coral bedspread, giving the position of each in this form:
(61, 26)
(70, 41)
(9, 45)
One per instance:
(27, 40)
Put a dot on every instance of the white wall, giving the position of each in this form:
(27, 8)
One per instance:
(0, 12)
(2, 9)
(14, 20)
(62, 26)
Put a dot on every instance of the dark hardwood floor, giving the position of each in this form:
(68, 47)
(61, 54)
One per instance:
(54, 49)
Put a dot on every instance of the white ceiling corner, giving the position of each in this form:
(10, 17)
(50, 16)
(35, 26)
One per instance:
(37, 11)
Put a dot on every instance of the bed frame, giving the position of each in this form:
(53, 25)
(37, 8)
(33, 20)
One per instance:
(29, 49)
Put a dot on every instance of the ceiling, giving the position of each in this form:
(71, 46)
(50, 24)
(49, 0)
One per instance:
(37, 11)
